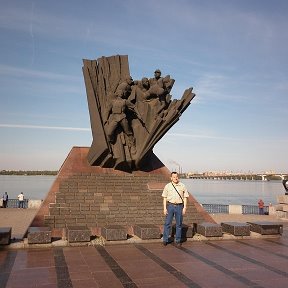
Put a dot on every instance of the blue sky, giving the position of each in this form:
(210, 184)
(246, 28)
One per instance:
(233, 53)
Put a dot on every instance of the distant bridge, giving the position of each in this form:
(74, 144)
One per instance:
(238, 176)
(265, 177)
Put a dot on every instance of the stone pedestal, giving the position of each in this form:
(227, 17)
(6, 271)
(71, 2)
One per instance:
(285, 207)
(281, 210)
(282, 214)
(114, 232)
(5, 235)
(147, 231)
(78, 234)
(209, 229)
(236, 229)
(282, 199)
(98, 197)
(266, 228)
(39, 235)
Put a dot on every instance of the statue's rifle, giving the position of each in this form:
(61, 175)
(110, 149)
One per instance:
(138, 115)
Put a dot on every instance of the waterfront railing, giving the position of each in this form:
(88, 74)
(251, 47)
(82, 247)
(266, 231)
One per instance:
(216, 208)
(254, 209)
(234, 209)
(28, 203)
(210, 208)
(13, 203)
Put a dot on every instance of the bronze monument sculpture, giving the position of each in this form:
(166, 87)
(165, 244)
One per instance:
(128, 117)
(118, 180)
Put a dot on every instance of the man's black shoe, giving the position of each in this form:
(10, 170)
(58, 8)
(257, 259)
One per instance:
(164, 243)
(178, 244)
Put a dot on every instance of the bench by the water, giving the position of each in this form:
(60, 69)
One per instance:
(5, 235)
(209, 229)
(236, 228)
(39, 235)
(147, 231)
(266, 228)
(78, 234)
(114, 232)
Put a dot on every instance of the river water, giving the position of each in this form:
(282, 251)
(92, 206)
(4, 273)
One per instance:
(33, 187)
(238, 192)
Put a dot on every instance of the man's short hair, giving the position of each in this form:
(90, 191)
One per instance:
(174, 172)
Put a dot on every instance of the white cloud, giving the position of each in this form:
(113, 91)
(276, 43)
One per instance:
(43, 127)
(13, 71)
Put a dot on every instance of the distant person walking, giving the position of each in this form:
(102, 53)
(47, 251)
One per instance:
(5, 200)
(261, 207)
(21, 200)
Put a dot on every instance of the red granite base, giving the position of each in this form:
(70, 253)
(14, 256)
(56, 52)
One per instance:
(39, 235)
(58, 210)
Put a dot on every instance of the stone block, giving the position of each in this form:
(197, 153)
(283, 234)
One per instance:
(266, 228)
(78, 234)
(235, 209)
(279, 207)
(187, 231)
(285, 207)
(5, 235)
(39, 235)
(146, 231)
(271, 210)
(114, 232)
(209, 229)
(282, 199)
(282, 214)
(236, 228)
(34, 204)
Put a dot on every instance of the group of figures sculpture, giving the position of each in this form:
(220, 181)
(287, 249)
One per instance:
(128, 117)
(134, 99)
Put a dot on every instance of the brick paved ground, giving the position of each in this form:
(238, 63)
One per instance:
(227, 263)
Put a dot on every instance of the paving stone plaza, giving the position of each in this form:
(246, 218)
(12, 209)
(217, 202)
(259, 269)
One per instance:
(252, 262)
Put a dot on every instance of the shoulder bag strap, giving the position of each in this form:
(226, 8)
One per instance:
(178, 192)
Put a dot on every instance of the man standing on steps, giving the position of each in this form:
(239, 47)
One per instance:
(175, 197)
